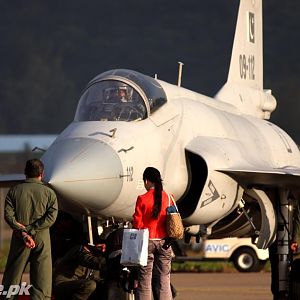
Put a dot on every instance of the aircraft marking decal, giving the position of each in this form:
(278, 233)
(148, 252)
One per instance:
(140, 184)
(214, 194)
(247, 66)
(251, 28)
(125, 150)
(129, 174)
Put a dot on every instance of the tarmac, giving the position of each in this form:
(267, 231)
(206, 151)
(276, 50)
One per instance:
(222, 286)
(218, 286)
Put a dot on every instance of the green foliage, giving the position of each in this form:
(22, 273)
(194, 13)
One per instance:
(50, 50)
(203, 266)
(3, 260)
(208, 266)
(3, 255)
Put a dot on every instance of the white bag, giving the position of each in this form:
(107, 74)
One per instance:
(135, 247)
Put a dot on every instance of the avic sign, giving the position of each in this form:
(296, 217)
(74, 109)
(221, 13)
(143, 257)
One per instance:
(217, 248)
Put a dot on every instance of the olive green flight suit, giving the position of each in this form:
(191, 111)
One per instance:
(35, 206)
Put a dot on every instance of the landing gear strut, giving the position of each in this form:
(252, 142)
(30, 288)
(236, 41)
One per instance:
(281, 251)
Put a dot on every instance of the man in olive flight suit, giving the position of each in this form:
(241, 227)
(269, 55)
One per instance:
(30, 209)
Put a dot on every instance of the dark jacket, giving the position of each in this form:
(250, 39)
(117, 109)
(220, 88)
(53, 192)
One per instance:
(78, 263)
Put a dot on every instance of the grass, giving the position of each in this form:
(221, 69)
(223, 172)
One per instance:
(203, 266)
(3, 256)
(2, 263)
(209, 266)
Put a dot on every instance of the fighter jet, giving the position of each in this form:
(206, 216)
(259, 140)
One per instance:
(233, 172)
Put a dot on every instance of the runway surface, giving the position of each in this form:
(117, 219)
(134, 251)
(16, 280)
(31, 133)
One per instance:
(218, 286)
(222, 286)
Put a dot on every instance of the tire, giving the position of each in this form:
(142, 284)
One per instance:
(246, 260)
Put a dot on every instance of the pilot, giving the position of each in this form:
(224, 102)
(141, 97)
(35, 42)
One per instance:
(122, 93)
(30, 209)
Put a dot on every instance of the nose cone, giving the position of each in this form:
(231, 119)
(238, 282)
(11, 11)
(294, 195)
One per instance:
(84, 170)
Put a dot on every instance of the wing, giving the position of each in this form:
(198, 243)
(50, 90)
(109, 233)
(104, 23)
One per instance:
(223, 174)
(288, 176)
(9, 180)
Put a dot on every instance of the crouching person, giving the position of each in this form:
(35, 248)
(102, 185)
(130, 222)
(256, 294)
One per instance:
(78, 273)
(120, 281)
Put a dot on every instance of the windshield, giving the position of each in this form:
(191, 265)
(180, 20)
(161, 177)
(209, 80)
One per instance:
(110, 100)
(148, 87)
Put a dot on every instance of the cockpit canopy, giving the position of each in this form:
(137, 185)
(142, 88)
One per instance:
(120, 95)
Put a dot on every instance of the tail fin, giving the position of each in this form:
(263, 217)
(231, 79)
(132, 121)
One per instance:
(244, 87)
(246, 66)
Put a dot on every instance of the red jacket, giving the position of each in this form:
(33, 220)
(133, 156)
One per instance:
(142, 217)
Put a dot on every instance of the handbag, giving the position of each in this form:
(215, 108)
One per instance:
(135, 247)
(174, 224)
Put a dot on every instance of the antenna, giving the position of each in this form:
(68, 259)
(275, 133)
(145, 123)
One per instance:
(38, 148)
(155, 76)
(180, 73)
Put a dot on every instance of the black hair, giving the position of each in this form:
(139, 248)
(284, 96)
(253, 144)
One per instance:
(34, 168)
(153, 176)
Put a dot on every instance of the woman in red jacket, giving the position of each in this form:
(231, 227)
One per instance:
(150, 212)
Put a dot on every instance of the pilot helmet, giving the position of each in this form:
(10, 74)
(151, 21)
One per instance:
(125, 93)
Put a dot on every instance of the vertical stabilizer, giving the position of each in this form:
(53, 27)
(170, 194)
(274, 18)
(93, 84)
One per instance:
(246, 66)
(244, 87)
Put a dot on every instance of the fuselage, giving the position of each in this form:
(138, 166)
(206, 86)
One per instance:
(97, 165)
